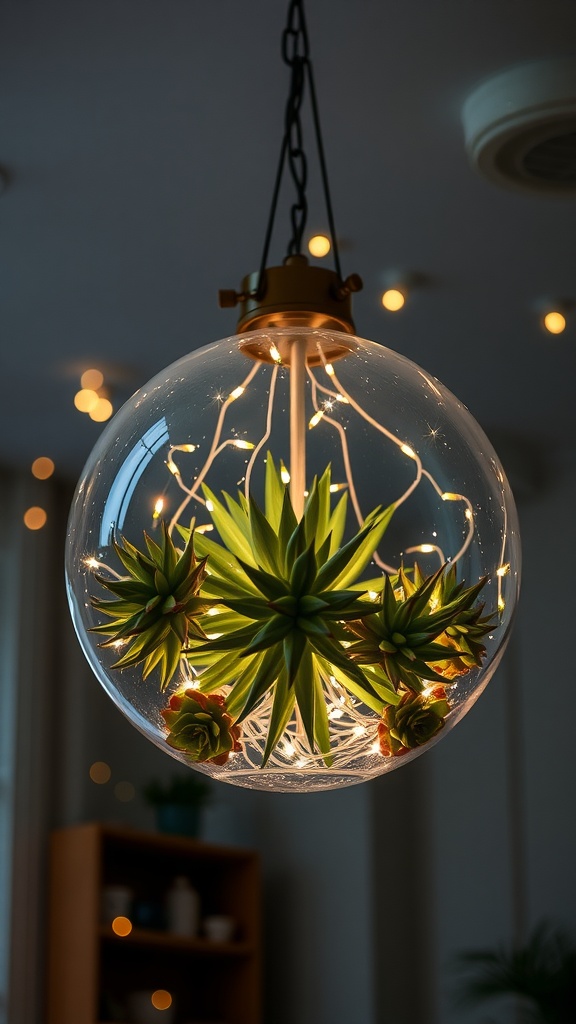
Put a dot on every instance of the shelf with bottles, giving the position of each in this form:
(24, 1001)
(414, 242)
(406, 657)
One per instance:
(213, 974)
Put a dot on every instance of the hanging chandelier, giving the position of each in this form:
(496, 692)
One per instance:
(293, 556)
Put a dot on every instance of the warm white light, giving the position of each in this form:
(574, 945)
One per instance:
(158, 508)
(450, 496)
(92, 379)
(501, 604)
(275, 354)
(122, 926)
(92, 563)
(35, 518)
(161, 999)
(86, 400)
(236, 393)
(503, 570)
(187, 447)
(329, 369)
(554, 322)
(100, 772)
(247, 445)
(393, 299)
(425, 548)
(319, 246)
(42, 468)
(372, 595)
(408, 451)
(284, 474)
(207, 527)
(173, 467)
(210, 505)
(102, 411)
(334, 488)
(316, 419)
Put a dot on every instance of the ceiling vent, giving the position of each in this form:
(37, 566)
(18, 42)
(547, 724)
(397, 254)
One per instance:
(520, 127)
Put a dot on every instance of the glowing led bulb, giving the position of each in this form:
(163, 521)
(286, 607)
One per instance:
(159, 505)
(408, 451)
(319, 246)
(554, 322)
(122, 926)
(86, 400)
(161, 999)
(316, 419)
(92, 379)
(100, 772)
(236, 393)
(35, 518)
(102, 411)
(393, 299)
(247, 445)
(42, 468)
(275, 353)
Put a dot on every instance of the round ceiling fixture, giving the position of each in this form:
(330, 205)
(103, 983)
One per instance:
(520, 127)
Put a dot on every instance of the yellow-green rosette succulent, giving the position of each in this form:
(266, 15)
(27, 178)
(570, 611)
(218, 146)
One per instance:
(413, 722)
(201, 726)
(155, 607)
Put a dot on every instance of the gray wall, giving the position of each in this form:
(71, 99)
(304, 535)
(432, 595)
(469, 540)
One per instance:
(372, 891)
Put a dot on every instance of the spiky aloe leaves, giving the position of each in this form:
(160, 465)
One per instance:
(201, 726)
(286, 586)
(421, 628)
(156, 605)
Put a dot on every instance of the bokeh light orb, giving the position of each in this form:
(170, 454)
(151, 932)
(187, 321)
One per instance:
(250, 668)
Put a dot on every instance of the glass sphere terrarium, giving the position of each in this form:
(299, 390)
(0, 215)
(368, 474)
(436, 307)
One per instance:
(293, 559)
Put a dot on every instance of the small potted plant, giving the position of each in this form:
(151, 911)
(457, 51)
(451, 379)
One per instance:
(541, 974)
(178, 803)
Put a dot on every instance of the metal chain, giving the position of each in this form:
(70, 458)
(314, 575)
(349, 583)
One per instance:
(295, 53)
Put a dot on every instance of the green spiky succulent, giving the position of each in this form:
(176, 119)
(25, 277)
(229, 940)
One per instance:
(288, 588)
(156, 606)
(420, 628)
(468, 627)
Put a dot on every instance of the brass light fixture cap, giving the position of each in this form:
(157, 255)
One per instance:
(294, 295)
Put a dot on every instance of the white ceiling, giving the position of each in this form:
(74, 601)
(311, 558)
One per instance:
(140, 140)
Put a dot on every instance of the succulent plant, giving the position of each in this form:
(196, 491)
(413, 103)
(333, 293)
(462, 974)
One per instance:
(414, 721)
(156, 606)
(420, 628)
(201, 726)
(289, 588)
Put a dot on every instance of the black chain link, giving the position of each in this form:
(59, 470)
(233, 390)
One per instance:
(295, 53)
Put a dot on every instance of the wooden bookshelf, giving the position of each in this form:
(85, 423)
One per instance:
(91, 970)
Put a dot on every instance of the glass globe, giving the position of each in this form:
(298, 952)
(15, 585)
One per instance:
(293, 560)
